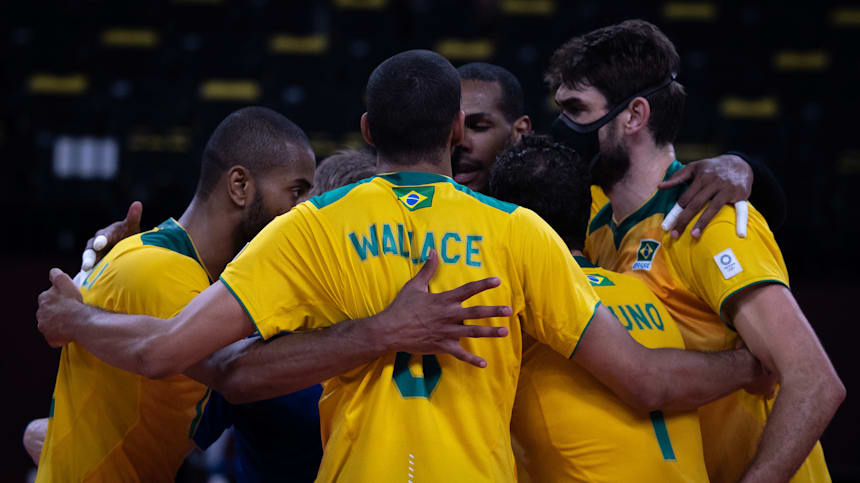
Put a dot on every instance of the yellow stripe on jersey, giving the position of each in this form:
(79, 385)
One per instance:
(346, 255)
(573, 428)
(598, 201)
(693, 278)
(109, 424)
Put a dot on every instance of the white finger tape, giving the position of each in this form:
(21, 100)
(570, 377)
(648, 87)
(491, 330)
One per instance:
(669, 221)
(89, 259)
(742, 216)
(99, 243)
(81, 277)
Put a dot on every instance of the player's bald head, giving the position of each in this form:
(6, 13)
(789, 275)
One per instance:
(412, 100)
(256, 138)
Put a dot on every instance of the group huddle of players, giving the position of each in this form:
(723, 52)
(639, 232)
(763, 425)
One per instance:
(479, 302)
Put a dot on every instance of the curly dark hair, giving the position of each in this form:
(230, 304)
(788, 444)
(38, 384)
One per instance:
(621, 60)
(550, 179)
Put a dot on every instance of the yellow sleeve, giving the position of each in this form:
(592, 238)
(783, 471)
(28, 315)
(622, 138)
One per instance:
(146, 280)
(281, 279)
(559, 303)
(720, 263)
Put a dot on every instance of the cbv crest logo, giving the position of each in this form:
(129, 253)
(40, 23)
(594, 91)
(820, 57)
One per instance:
(415, 198)
(645, 254)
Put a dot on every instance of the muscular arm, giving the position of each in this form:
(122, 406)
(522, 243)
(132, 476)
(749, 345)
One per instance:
(776, 331)
(417, 321)
(253, 369)
(143, 344)
(669, 379)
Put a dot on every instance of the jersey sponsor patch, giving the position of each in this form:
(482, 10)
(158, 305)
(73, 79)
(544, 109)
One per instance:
(645, 254)
(415, 198)
(728, 263)
(599, 281)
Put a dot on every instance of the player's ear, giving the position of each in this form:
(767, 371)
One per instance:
(637, 115)
(458, 129)
(240, 186)
(521, 126)
(365, 130)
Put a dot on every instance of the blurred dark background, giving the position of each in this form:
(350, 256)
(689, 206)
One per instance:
(108, 102)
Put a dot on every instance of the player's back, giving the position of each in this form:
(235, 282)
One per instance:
(573, 428)
(108, 424)
(403, 416)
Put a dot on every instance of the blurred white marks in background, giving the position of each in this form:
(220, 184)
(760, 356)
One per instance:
(87, 158)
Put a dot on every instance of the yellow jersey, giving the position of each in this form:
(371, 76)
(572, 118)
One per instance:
(598, 201)
(346, 254)
(694, 278)
(573, 428)
(111, 425)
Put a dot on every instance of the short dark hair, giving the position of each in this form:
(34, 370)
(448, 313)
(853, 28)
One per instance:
(548, 178)
(257, 138)
(412, 100)
(621, 60)
(512, 103)
(342, 168)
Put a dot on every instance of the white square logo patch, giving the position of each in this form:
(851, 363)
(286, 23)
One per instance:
(728, 263)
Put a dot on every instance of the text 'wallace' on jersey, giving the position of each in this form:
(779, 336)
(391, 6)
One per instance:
(388, 239)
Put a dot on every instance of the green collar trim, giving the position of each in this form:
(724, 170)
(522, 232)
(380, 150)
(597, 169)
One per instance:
(172, 236)
(661, 202)
(417, 178)
(411, 178)
(329, 197)
(414, 178)
(584, 262)
(603, 217)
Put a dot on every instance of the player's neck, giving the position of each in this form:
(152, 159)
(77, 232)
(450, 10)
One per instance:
(577, 253)
(648, 165)
(438, 165)
(212, 233)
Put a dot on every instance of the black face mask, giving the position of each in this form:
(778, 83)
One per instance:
(583, 137)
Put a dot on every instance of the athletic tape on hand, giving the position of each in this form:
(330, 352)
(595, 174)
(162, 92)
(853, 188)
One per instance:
(672, 217)
(88, 260)
(99, 243)
(80, 277)
(741, 217)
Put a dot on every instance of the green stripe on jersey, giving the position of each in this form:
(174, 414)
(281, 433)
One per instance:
(171, 236)
(660, 203)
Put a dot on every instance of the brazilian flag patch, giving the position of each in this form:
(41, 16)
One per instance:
(416, 197)
(599, 281)
(645, 254)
